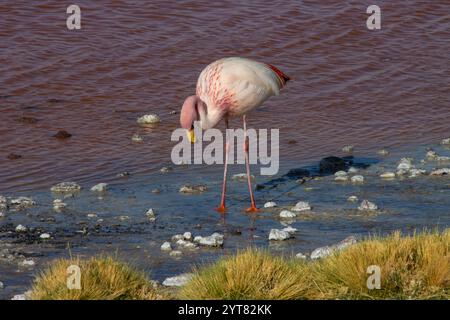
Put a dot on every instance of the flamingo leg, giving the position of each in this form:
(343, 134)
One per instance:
(222, 208)
(247, 165)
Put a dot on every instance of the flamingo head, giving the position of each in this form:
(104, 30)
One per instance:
(190, 114)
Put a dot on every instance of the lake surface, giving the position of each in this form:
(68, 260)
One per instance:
(351, 85)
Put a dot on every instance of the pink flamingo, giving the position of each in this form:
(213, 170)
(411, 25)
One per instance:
(231, 87)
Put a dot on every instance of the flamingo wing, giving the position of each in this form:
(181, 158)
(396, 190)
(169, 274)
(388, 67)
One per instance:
(238, 85)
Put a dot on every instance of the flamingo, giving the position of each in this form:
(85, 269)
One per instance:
(231, 87)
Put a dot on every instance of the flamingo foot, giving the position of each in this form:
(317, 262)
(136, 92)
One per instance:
(252, 209)
(221, 209)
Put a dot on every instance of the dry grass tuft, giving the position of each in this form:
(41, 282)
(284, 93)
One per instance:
(412, 267)
(251, 274)
(102, 278)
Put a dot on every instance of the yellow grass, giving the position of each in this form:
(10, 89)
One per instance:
(250, 274)
(412, 267)
(102, 278)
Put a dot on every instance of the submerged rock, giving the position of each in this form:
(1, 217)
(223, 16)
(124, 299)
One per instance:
(279, 235)
(383, 152)
(101, 187)
(270, 204)
(136, 138)
(27, 263)
(353, 170)
(416, 172)
(66, 187)
(349, 148)
(14, 156)
(165, 169)
(387, 175)
(404, 166)
(3, 202)
(242, 177)
(440, 172)
(59, 205)
(149, 119)
(328, 250)
(193, 189)
(22, 203)
(445, 142)
(366, 205)
(287, 214)
(301, 206)
(214, 240)
(290, 230)
(151, 214)
(62, 134)
(352, 199)
(178, 281)
(332, 164)
(357, 179)
(175, 253)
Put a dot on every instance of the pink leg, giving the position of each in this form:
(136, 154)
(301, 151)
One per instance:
(247, 165)
(222, 208)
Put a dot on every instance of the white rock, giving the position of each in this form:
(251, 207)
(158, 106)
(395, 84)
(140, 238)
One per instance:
(165, 169)
(193, 189)
(341, 179)
(151, 214)
(187, 236)
(301, 206)
(1, 285)
(352, 199)
(136, 138)
(177, 237)
(405, 164)
(341, 174)
(21, 228)
(22, 202)
(431, 155)
(348, 148)
(45, 236)
(19, 297)
(214, 240)
(416, 172)
(27, 263)
(357, 179)
(178, 281)
(445, 142)
(270, 204)
(279, 235)
(440, 172)
(166, 246)
(101, 187)
(383, 152)
(66, 187)
(124, 218)
(2, 214)
(148, 119)
(242, 177)
(442, 159)
(92, 215)
(58, 205)
(287, 214)
(290, 230)
(367, 205)
(3, 202)
(328, 250)
(186, 244)
(353, 170)
(387, 175)
(300, 256)
(175, 253)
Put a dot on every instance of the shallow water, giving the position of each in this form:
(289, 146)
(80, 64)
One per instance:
(352, 85)
(405, 204)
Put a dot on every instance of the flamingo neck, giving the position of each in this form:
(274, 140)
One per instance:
(209, 117)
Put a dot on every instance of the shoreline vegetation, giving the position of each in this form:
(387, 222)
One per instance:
(413, 266)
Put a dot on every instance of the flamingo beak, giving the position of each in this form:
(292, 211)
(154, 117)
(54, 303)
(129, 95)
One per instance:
(191, 135)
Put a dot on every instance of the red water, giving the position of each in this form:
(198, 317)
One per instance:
(352, 86)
